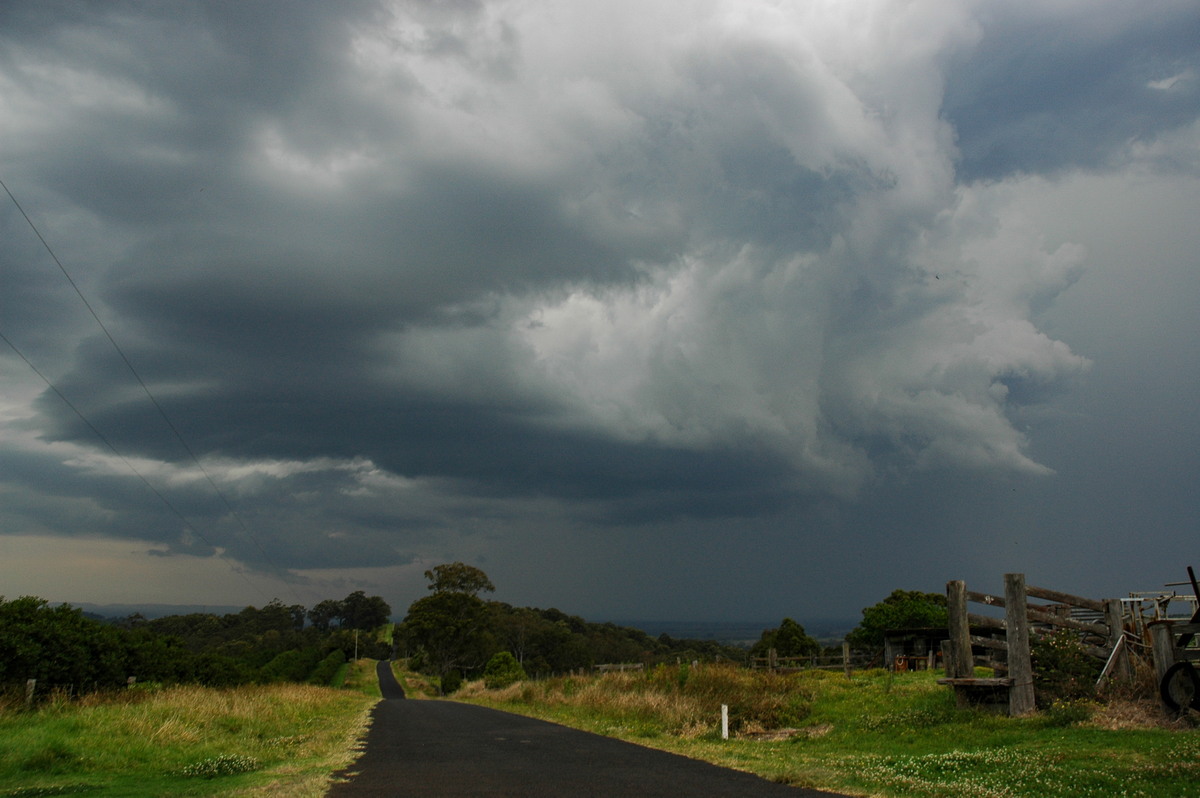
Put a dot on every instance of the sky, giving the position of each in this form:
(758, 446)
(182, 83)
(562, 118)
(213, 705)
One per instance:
(703, 310)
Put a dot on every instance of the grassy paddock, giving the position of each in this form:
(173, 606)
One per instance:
(877, 734)
(262, 740)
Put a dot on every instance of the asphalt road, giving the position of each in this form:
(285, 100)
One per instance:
(441, 749)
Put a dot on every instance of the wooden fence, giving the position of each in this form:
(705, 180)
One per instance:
(621, 667)
(847, 661)
(1004, 643)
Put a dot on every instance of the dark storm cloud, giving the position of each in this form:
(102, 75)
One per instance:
(419, 280)
(1047, 89)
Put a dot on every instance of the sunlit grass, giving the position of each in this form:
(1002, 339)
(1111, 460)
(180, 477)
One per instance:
(264, 740)
(880, 734)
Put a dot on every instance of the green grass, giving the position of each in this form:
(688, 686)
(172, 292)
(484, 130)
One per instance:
(878, 734)
(177, 741)
(415, 685)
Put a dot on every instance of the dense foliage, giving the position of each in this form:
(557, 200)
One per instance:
(903, 609)
(789, 640)
(62, 648)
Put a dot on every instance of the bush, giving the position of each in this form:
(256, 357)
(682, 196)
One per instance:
(502, 670)
(451, 681)
(327, 668)
(1062, 670)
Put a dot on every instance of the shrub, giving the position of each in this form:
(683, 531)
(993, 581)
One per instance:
(1067, 713)
(1062, 670)
(502, 670)
(451, 681)
(327, 668)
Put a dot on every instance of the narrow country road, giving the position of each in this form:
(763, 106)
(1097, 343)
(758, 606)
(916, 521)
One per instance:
(440, 748)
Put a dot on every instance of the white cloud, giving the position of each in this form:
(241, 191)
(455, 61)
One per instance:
(1167, 84)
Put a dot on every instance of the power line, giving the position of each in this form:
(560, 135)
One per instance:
(104, 439)
(145, 388)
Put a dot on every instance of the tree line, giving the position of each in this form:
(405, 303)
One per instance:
(62, 648)
(452, 634)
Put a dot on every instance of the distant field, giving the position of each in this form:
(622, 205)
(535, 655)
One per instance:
(877, 734)
(263, 740)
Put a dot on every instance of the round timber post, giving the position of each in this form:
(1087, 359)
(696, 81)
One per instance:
(961, 663)
(1021, 698)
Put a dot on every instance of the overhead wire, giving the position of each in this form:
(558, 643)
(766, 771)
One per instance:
(104, 439)
(145, 388)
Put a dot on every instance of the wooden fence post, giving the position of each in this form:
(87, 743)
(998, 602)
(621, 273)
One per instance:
(846, 658)
(961, 665)
(30, 686)
(1021, 699)
(1114, 617)
(1162, 647)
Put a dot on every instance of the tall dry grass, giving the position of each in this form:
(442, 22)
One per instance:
(684, 701)
(290, 737)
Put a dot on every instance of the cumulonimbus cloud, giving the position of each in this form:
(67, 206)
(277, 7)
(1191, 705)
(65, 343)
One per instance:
(525, 245)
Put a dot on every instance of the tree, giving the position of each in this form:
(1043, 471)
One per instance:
(789, 640)
(516, 627)
(451, 628)
(324, 613)
(57, 645)
(457, 577)
(903, 609)
(360, 611)
(449, 631)
(502, 670)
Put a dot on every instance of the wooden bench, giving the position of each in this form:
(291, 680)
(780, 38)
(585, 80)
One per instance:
(988, 693)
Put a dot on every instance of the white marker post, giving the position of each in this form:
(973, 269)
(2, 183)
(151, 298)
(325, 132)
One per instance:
(724, 721)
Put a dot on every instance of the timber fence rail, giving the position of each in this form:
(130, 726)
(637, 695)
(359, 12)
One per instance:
(848, 661)
(620, 667)
(1004, 643)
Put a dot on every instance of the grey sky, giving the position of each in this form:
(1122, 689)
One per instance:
(667, 309)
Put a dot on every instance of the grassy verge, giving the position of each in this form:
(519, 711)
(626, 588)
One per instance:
(415, 685)
(262, 740)
(877, 734)
(360, 676)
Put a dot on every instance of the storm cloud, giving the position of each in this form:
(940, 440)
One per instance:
(515, 283)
